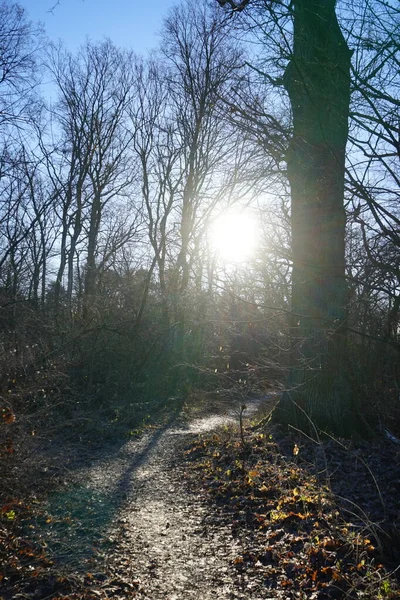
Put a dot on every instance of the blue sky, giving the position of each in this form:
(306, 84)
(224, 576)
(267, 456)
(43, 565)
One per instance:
(129, 23)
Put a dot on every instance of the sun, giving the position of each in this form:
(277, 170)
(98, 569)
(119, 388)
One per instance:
(234, 236)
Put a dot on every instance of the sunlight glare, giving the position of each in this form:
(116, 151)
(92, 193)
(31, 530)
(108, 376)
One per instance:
(234, 237)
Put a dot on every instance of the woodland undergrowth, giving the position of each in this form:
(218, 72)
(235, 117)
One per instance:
(316, 519)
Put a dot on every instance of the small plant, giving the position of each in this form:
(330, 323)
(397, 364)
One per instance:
(241, 411)
(385, 589)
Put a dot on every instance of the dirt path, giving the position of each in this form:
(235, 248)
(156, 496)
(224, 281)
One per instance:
(165, 544)
(138, 521)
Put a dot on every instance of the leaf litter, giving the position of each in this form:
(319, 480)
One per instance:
(188, 511)
(312, 519)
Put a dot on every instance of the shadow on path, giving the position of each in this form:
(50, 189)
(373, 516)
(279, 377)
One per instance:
(75, 527)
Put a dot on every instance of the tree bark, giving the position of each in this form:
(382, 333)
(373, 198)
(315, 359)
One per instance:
(317, 80)
(90, 272)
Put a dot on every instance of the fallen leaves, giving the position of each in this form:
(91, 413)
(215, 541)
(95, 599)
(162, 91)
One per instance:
(272, 495)
(7, 416)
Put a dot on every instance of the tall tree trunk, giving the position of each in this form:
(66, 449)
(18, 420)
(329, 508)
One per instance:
(90, 273)
(317, 80)
(62, 259)
(77, 229)
(181, 277)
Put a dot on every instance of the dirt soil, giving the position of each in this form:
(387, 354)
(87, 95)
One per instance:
(166, 542)
(172, 514)
(125, 524)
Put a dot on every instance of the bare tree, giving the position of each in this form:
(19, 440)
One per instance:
(28, 227)
(93, 163)
(373, 167)
(193, 159)
(19, 43)
(308, 55)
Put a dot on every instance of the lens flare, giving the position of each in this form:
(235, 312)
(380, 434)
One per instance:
(234, 237)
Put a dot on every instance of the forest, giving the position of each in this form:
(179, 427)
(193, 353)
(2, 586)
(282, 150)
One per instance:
(206, 234)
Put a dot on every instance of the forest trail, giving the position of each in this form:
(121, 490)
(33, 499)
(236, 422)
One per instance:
(173, 515)
(165, 544)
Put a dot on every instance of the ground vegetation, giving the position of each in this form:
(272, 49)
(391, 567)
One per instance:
(117, 307)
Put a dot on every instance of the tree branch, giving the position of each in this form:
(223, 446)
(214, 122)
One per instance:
(235, 6)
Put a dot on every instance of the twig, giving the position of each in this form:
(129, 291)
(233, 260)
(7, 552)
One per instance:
(241, 411)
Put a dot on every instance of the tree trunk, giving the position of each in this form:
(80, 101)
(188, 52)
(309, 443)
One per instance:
(90, 273)
(62, 260)
(317, 80)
